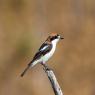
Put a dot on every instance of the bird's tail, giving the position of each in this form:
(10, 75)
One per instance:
(23, 73)
(31, 64)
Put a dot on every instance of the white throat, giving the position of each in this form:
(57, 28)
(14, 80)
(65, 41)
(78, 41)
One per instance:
(54, 42)
(48, 55)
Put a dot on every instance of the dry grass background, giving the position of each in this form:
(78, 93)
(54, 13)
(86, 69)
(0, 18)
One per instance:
(25, 24)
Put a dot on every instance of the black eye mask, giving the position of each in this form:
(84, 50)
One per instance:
(54, 37)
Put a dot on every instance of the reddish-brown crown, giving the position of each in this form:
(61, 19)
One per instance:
(53, 34)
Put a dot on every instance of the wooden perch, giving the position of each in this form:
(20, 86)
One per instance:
(51, 76)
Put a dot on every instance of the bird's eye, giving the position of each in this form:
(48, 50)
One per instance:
(56, 37)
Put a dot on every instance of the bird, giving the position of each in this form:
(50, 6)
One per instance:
(45, 51)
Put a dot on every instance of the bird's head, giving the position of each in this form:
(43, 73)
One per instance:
(54, 37)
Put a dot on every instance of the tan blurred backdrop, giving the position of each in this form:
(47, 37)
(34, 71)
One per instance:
(25, 24)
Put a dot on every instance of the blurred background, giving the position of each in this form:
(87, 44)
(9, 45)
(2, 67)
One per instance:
(25, 24)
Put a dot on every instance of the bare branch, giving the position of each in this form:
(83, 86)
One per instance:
(51, 76)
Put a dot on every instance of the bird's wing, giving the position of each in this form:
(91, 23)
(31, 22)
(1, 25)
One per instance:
(45, 48)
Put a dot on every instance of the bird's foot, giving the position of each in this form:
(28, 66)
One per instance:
(46, 67)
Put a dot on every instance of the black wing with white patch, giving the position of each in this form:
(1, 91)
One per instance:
(45, 48)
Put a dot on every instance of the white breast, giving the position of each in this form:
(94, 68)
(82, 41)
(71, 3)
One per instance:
(49, 55)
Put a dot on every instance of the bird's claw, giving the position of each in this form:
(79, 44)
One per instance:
(47, 68)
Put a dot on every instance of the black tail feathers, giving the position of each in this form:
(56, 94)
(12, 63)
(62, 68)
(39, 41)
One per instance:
(23, 73)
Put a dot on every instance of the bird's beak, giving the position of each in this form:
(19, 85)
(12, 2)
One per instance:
(61, 38)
